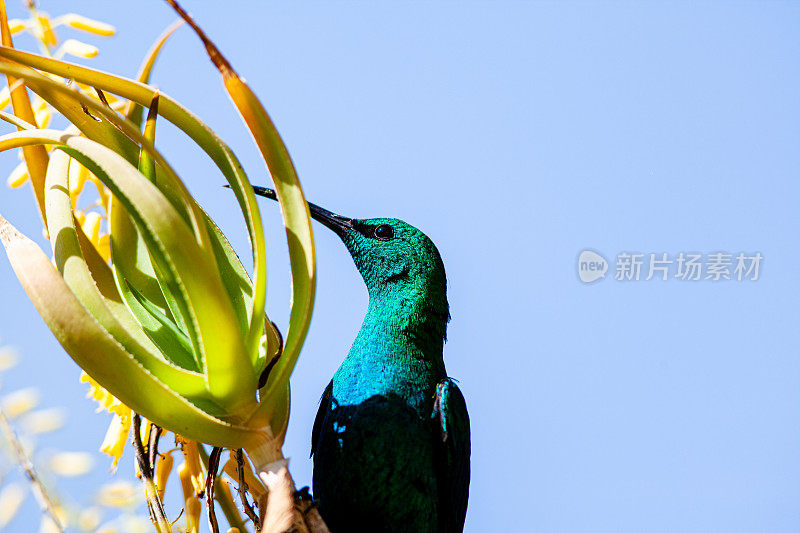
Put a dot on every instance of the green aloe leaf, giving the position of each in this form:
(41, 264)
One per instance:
(106, 361)
(96, 290)
(191, 275)
(134, 112)
(128, 249)
(170, 338)
(219, 152)
(296, 216)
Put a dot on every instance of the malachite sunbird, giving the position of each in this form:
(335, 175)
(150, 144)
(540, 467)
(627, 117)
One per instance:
(391, 440)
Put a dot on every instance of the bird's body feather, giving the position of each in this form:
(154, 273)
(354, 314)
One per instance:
(391, 440)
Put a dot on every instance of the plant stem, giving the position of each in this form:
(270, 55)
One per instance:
(224, 498)
(157, 514)
(45, 501)
(282, 512)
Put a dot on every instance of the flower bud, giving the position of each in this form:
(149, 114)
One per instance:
(193, 509)
(88, 25)
(163, 470)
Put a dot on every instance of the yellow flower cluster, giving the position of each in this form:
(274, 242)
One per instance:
(92, 217)
(42, 27)
(119, 429)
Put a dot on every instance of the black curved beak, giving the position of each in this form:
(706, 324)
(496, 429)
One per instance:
(340, 225)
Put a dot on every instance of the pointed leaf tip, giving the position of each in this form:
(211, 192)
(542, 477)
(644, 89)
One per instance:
(222, 64)
(7, 231)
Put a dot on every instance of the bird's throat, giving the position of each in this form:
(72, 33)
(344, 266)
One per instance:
(398, 350)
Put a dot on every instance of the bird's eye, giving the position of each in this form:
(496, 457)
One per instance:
(384, 232)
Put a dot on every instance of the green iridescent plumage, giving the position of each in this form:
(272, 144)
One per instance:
(391, 439)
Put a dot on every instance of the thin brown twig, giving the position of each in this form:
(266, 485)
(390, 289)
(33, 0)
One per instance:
(242, 489)
(152, 448)
(30, 472)
(154, 505)
(211, 478)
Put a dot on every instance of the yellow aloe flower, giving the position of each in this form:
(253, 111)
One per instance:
(120, 494)
(20, 402)
(43, 421)
(11, 497)
(186, 481)
(254, 485)
(19, 176)
(70, 464)
(5, 97)
(104, 246)
(89, 518)
(43, 30)
(119, 428)
(8, 358)
(16, 25)
(193, 509)
(85, 24)
(163, 470)
(116, 438)
(77, 48)
(91, 226)
(105, 400)
(191, 457)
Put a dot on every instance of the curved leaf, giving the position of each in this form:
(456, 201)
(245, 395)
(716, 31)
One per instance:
(97, 292)
(219, 152)
(131, 111)
(106, 361)
(190, 275)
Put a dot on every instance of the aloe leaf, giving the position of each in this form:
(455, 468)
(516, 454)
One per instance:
(219, 152)
(147, 167)
(296, 219)
(69, 258)
(36, 158)
(116, 133)
(104, 359)
(214, 332)
(15, 120)
(146, 164)
(296, 216)
(131, 111)
(172, 340)
(127, 247)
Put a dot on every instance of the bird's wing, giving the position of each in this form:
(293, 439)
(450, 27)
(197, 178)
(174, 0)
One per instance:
(324, 407)
(450, 413)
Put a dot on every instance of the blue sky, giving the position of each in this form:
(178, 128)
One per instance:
(516, 135)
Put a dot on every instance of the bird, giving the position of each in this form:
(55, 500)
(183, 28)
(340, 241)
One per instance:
(391, 439)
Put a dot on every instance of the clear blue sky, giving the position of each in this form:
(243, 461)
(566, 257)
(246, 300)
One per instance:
(516, 135)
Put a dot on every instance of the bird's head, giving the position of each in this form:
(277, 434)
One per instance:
(393, 257)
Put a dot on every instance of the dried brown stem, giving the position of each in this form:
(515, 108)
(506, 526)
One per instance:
(248, 509)
(30, 472)
(211, 478)
(154, 505)
(152, 447)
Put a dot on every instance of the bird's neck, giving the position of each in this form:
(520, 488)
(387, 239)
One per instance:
(398, 349)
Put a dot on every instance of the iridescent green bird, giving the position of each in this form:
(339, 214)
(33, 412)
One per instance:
(391, 440)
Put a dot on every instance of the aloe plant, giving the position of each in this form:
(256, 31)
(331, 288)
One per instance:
(173, 327)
